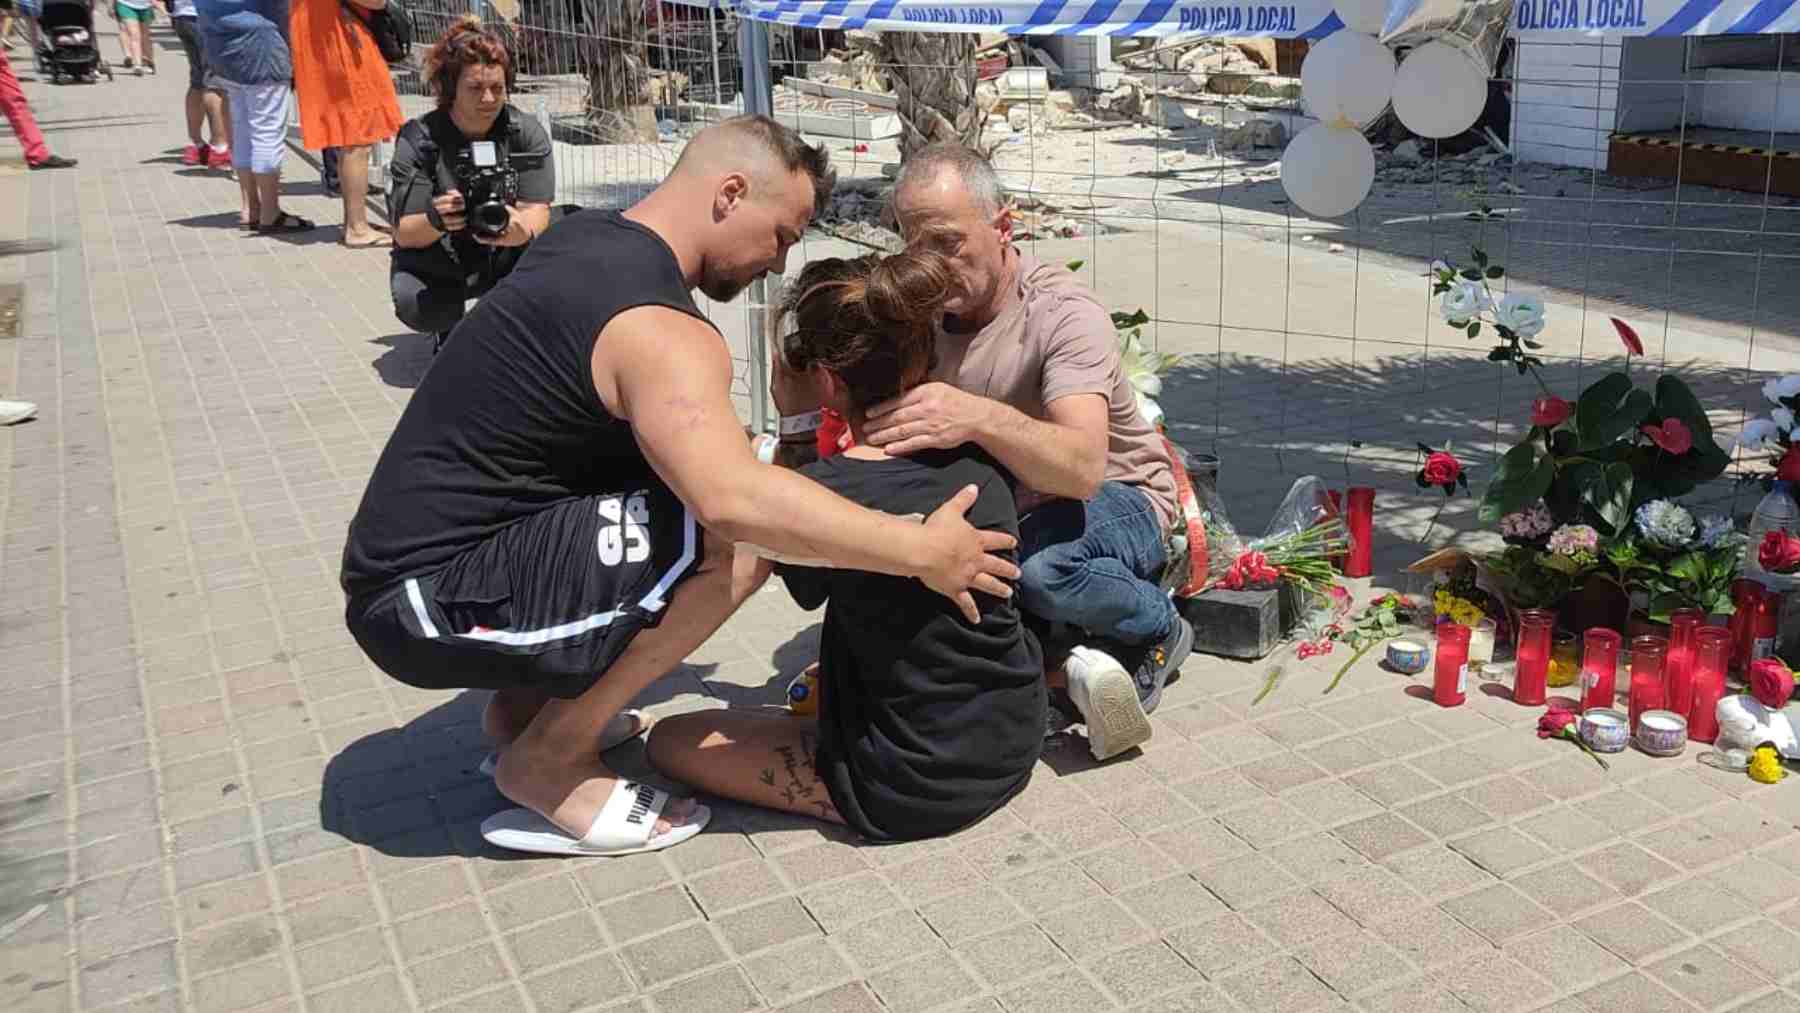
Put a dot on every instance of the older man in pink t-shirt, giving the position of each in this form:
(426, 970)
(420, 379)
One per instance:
(1028, 369)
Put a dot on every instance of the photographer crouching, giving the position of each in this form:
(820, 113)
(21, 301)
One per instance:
(471, 183)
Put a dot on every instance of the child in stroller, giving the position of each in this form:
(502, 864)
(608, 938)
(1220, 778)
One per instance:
(66, 45)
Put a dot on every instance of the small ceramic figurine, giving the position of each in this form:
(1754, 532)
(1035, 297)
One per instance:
(803, 692)
(1745, 724)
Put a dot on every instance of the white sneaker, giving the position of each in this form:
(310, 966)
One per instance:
(16, 411)
(1107, 698)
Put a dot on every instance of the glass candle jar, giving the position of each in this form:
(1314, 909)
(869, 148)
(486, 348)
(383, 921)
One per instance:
(1599, 667)
(1744, 595)
(1565, 659)
(1678, 675)
(1712, 656)
(1449, 681)
(1481, 643)
(1649, 662)
(1532, 672)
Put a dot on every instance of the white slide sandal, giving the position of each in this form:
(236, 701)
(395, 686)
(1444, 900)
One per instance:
(612, 737)
(626, 825)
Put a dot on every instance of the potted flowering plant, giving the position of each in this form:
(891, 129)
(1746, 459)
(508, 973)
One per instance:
(1543, 564)
(1673, 560)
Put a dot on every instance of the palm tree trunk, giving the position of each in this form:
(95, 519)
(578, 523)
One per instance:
(618, 75)
(933, 76)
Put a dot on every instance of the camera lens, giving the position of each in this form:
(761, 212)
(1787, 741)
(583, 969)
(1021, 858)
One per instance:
(489, 219)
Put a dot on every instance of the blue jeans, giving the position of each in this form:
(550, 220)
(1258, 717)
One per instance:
(1095, 565)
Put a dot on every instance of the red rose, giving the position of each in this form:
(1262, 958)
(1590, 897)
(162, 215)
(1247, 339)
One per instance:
(1672, 436)
(1788, 469)
(1771, 683)
(1554, 721)
(1628, 336)
(1779, 552)
(1441, 469)
(1549, 412)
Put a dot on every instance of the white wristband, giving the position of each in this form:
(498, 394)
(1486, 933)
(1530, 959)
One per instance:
(765, 449)
(805, 423)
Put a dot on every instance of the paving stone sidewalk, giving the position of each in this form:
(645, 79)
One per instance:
(210, 801)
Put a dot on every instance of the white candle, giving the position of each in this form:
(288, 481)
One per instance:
(1481, 642)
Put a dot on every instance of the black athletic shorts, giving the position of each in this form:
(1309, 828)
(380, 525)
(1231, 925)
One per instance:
(548, 603)
(187, 29)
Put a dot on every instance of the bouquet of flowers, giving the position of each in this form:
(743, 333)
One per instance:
(1297, 549)
(1541, 563)
(1381, 620)
(1775, 434)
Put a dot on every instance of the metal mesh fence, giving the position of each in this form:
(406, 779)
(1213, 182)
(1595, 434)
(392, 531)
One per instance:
(1648, 179)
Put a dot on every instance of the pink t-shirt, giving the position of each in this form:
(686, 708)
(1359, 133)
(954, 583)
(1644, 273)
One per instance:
(1053, 340)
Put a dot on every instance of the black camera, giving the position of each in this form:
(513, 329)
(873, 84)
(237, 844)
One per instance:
(489, 188)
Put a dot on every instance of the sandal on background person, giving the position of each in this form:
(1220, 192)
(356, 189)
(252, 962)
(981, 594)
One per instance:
(285, 222)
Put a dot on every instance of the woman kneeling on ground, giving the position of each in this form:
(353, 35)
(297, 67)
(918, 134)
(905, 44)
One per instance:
(926, 723)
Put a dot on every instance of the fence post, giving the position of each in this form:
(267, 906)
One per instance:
(759, 97)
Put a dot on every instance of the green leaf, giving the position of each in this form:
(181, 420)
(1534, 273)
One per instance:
(1607, 489)
(1688, 566)
(1471, 274)
(1480, 257)
(1520, 479)
(1533, 345)
(1123, 320)
(1269, 681)
(1496, 271)
(1474, 328)
(1500, 353)
(1074, 265)
(1608, 409)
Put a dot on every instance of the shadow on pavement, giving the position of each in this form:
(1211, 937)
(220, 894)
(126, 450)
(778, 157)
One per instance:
(407, 358)
(416, 791)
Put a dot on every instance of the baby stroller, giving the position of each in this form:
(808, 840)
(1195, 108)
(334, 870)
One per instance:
(66, 46)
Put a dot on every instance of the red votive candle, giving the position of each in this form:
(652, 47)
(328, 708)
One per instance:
(1359, 519)
(1533, 655)
(1599, 666)
(1744, 595)
(1450, 677)
(1648, 661)
(1712, 653)
(1764, 624)
(1678, 674)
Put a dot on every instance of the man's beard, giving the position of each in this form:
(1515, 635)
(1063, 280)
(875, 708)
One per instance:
(722, 289)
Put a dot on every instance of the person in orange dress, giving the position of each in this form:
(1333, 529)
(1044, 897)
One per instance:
(346, 98)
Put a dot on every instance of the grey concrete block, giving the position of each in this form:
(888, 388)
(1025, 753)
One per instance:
(887, 940)
(1219, 945)
(454, 974)
(1145, 970)
(244, 987)
(970, 914)
(1281, 985)
(648, 913)
(725, 990)
(331, 915)
(844, 902)
(1381, 835)
(381, 992)
(790, 971)
(150, 968)
(1012, 953)
(600, 978)
(230, 944)
(1352, 962)
(664, 958)
(1499, 912)
(555, 942)
(340, 958)
(1708, 976)
(446, 929)
(1566, 889)
(1568, 959)
(1062, 992)
(921, 984)
(852, 998)
(768, 924)
(1503, 851)
(1238, 624)
(726, 889)
(1050, 888)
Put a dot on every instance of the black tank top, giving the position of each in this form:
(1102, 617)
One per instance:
(507, 421)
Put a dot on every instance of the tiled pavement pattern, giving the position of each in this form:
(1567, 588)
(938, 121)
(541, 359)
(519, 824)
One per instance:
(209, 801)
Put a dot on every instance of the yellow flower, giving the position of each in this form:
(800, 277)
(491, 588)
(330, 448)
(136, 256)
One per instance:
(1442, 601)
(1765, 765)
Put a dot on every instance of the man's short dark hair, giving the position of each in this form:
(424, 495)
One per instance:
(791, 151)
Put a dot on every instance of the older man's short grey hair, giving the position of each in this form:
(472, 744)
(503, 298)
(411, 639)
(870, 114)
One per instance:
(974, 172)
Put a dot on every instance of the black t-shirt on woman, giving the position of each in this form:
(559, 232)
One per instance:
(926, 723)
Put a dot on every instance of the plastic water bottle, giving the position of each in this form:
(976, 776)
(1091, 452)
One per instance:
(1776, 512)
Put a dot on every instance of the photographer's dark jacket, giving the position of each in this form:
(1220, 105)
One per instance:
(413, 185)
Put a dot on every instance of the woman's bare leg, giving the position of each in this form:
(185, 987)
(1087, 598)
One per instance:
(760, 758)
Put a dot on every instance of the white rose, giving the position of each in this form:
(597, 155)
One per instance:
(1464, 301)
(1522, 314)
(1787, 386)
(1784, 419)
(1757, 434)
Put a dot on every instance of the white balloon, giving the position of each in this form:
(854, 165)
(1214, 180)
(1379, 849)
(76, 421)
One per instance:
(1438, 91)
(1328, 170)
(1347, 79)
(1366, 16)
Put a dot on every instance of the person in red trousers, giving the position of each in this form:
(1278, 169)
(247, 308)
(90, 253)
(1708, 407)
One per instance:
(12, 103)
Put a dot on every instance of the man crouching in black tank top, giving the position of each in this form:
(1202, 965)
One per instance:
(928, 720)
(553, 516)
